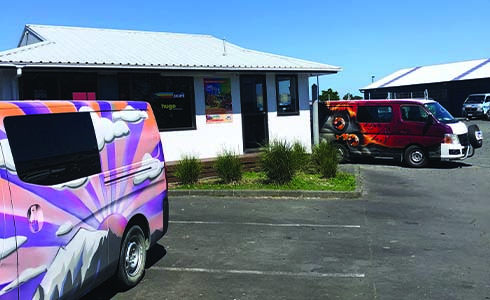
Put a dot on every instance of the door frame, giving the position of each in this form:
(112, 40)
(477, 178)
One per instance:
(246, 113)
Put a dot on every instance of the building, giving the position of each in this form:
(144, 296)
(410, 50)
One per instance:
(208, 95)
(449, 84)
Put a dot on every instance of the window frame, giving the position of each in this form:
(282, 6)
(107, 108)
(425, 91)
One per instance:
(294, 101)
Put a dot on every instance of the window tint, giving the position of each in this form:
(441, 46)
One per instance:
(51, 149)
(374, 114)
(414, 114)
(287, 95)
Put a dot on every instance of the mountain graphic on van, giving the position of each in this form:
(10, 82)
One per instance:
(75, 263)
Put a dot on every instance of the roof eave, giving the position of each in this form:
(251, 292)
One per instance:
(311, 71)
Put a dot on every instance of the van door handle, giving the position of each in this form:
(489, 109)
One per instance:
(403, 131)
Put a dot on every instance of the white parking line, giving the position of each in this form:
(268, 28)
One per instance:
(264, 273)
(266, 224)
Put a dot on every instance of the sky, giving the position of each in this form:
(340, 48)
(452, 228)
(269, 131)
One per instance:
(364, 38)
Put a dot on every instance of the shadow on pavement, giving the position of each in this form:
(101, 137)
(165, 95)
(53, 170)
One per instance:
(110, 288)
(396, 162)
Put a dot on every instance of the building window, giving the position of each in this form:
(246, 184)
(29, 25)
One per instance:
(50, 149)
(171, 98)
(374, 114)
(287, 95)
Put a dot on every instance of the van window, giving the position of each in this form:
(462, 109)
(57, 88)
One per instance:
(475, 99)
(51, 149)
(374, 114)
(414, 114)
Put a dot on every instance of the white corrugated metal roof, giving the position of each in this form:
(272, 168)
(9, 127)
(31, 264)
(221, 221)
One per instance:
(92, 47)
(472, 69)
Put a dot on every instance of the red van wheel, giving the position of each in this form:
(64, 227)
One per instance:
(415, 157)
(342, 152)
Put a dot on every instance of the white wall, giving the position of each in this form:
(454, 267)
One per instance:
(208, 139)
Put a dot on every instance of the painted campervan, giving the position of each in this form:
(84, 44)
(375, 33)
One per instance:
(83, 195)
(413, 131)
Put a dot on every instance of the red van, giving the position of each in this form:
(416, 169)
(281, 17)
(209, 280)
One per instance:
(412, 130)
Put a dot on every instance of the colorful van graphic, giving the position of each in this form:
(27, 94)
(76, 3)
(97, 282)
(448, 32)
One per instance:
(413, 131)
(83, 195)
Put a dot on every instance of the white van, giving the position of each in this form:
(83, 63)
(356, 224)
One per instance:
(83, 195)
(477, 106)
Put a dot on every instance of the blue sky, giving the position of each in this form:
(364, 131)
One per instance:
(365, 38)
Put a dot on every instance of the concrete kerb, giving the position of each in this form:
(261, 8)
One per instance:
(352, 169)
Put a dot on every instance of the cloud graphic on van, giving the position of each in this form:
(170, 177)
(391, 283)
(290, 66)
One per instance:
(106, 131)
(74, 184)
(10, 245)
(6, 160)
(131, 115)
(24, 277)
(64, 229)
(151, 168)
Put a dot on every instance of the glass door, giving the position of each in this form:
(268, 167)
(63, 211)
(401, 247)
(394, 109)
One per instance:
(254, 111)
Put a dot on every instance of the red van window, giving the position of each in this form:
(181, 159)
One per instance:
(413, 113)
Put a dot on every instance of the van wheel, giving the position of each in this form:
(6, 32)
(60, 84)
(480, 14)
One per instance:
(132, 257)
(415, 157)
(488, 114)
(476, 143)
(342, 152)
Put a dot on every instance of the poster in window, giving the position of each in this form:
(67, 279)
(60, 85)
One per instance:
(217, 93)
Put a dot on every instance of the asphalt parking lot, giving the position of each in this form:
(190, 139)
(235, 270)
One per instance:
(413, 234)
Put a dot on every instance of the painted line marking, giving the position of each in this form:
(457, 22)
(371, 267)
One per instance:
(264, 273)
(265, 224)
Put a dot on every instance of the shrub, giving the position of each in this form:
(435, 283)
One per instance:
(300, 157)
(188, 169)
(228, 166)
(325, 160)
(279, 161)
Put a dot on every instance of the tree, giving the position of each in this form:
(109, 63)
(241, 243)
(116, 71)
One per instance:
(349, 96)
(329, 95)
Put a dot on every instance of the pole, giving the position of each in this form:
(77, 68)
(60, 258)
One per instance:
(316, 129)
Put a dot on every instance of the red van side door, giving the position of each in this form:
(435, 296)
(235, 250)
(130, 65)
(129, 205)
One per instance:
(416, 127)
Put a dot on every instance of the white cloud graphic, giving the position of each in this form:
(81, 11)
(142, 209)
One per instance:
(131, 115)
(10, 245)
(106, 131)
(74, 184)
(24, 277)
(64, 229)
(6, 159)
(151, 168)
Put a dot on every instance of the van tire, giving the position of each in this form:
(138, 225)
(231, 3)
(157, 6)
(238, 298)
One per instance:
(342, 152)
(472, 129)
(415, 157)
(132, 257)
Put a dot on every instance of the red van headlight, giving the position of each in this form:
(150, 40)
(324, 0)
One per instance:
(450, 138)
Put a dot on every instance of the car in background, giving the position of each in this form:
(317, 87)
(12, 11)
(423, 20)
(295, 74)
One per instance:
(477, 106)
